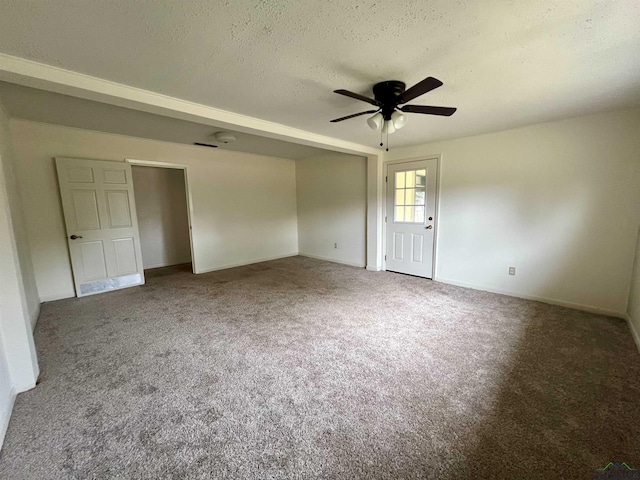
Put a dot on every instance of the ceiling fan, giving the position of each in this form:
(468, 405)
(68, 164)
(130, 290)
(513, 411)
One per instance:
(390, 98)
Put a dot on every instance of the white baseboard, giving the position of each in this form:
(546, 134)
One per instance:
(327, 259)
(34, 318)
(58, 296)
(162, 265)
(251, 262)
(634, 332)
(5, 415)
(551, 301)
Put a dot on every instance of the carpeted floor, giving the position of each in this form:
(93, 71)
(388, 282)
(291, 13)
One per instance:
(299, 368)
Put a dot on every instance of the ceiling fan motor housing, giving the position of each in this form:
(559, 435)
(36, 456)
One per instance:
(387, 93)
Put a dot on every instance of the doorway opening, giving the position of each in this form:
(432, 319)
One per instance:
(162, 205)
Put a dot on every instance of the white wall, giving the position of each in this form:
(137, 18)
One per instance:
(161, 207)
(19, 304)
(16, 213)
(243, 205)
(559, 201)
(332, 207)
(634, 296)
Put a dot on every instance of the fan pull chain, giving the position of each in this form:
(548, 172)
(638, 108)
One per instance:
(382, 134)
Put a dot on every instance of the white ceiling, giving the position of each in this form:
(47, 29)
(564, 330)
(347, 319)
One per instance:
(503, 63)
(48, 107)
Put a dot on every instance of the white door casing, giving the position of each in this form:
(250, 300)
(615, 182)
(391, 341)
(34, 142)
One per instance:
(101, 222)
(410, 217)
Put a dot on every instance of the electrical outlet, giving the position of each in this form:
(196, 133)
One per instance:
(335, 245)
(512, 270)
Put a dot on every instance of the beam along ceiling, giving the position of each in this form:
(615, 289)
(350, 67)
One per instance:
(503, 64)
(48, 107)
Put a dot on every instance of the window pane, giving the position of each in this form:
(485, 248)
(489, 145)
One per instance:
(400, 197)
(421, 176)
(419, 215)
(411, 179)
(399, 214)
(419, 197)
(411, 197)
(408, 214)
(399, 179)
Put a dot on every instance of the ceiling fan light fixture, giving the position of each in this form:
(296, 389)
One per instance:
(399, 120)
(375, 122)
(388, 127)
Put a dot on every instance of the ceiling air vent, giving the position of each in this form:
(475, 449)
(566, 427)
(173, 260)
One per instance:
(205, 145)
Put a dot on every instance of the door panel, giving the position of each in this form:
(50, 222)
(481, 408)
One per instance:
(93, 263)
(417, 245)
(114, 176)
(398, 246)
(79, 175)
(85, 210)
(119, 209)
(124, 249)
(410, 217)
(102, 227)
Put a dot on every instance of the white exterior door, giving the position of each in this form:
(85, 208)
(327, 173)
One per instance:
(102, 227)
(410, 217)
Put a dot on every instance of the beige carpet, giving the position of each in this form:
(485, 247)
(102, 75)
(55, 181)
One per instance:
(301, 369)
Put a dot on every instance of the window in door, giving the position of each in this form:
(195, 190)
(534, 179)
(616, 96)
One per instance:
(410, 194)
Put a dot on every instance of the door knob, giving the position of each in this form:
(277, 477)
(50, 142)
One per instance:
(73, 237)
(429, 227)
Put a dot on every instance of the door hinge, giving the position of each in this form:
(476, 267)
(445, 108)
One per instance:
(385, 258)
(385, 219)
(386, 179)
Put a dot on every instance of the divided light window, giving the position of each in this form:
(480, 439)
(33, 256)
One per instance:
(410, 192)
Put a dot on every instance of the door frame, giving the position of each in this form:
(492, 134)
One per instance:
(436, 230)
(176, 166)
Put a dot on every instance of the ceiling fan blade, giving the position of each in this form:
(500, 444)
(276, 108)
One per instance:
(354, 115)
(444, 111)
(419, 88)
(357, 96)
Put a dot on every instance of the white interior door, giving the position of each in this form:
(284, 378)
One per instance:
(102, 227)
(410, 217)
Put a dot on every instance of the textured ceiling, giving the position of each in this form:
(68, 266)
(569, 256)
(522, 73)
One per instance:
(48, 107)
(503, 63)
